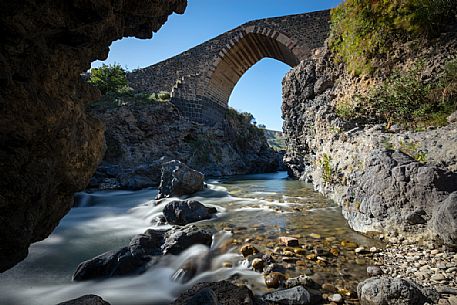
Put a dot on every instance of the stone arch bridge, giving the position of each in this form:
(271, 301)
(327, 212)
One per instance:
(201, 79)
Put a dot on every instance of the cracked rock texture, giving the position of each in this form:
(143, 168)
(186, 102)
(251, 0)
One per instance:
(49, 146)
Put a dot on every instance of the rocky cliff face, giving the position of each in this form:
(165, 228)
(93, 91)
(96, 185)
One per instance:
(141, 137)
(395, 181)
(49, 146)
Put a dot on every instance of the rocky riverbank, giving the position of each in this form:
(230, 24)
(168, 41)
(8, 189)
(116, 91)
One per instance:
(428, 264)
(386, 180)
(142, 135)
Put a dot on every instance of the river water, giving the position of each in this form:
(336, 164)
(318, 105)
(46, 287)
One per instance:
(255, 209)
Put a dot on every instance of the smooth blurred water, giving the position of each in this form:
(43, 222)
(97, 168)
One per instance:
(258, 208)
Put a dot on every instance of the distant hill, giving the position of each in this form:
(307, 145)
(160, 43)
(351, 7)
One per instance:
(275, 139)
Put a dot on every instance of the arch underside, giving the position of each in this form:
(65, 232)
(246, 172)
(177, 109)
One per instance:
(244, 52)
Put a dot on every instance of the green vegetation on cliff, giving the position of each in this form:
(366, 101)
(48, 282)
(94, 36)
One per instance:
(112, 82)
(246, 131)
(363, 30)
(378, 40)
(406, 100)
(403, 98)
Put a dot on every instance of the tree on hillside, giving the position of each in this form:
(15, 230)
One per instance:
(109, 78)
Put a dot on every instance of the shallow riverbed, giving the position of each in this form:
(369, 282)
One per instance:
(255, 209)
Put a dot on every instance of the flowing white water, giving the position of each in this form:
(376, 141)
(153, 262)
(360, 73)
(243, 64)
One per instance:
(106, 220)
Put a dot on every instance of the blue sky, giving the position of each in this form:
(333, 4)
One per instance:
(259, 90)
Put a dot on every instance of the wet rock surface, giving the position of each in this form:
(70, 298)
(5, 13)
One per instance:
(143, 249)
(44, 130)
(86, 300)
(178, 179)
(221, 293)
(182, 212)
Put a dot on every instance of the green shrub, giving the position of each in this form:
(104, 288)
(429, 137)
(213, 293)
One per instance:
(109, 78)
(412, 150)
(326, 168)
(244, 125)
(345, 110)
(363, 30)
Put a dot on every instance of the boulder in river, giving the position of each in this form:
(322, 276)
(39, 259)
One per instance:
(89, 299)
(178, 179)
(179, 239)
(142, 249)
(393, 291)
(183, 212)
(111, 263)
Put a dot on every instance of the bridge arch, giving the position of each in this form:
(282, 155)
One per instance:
(250, 46)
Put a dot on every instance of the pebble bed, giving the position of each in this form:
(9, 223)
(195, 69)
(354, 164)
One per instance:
(426, 264)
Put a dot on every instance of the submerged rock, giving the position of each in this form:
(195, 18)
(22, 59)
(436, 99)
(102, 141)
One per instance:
(89, 299)
(393, 291)
(248, 249)
(141, 250)
(275, 280)
(205, 296)
(222, 293)
(182, 212)
(178, 179)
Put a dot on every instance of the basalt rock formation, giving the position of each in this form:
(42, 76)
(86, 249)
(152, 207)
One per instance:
(391, 181)
(141, 137)
(50, 147)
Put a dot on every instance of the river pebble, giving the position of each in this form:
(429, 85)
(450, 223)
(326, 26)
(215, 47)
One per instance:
(427, 265)
(337, 298)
